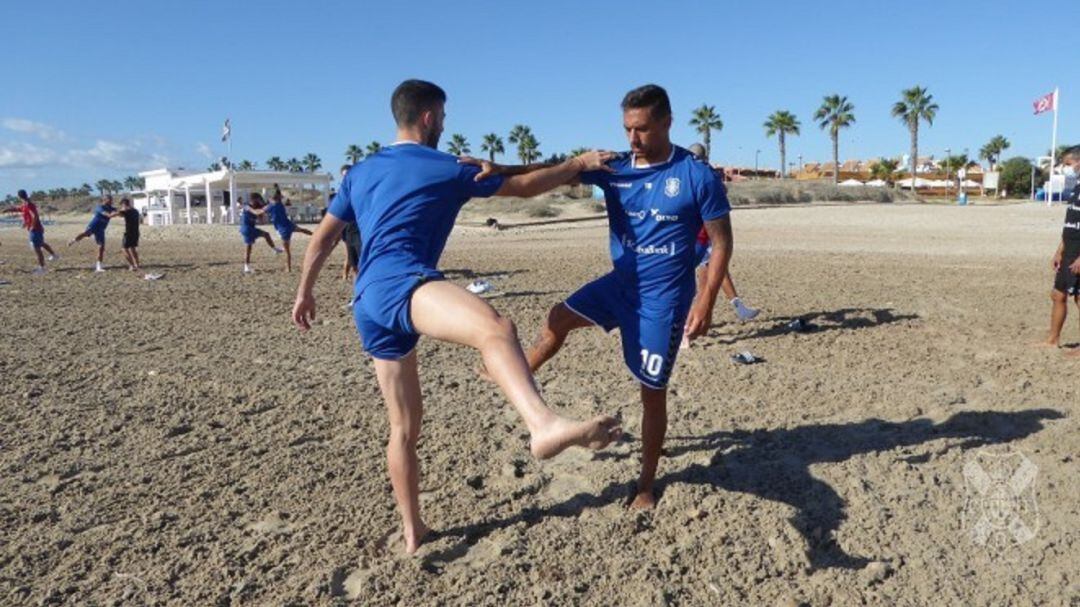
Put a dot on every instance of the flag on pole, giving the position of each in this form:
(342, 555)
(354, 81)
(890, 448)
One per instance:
(226, 131)
(1043, 104)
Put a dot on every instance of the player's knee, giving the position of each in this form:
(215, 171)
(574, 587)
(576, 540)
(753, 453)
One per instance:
(1057, 296)
(503, 327)
(401, 436)
(558, 321)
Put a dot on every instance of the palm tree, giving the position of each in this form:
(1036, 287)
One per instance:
(707, 120)
(578, 151)
(780, 123)
(834, 114)
(991, 152)
(103, 186)
(528, 146)
(293, 165)
(86, 189)
(458, 146)
(311, 163)
(493, 144)
(914, 106)
(884, 169)
(276, 164)
(131, 183)
(373, 148)
(354, 153)
(245, 165)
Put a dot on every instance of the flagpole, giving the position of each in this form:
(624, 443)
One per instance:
(1053, 152)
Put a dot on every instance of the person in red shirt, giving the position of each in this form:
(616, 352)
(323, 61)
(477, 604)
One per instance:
(702, 251)
(32, 222)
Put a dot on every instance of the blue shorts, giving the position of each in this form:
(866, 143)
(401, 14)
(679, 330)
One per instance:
(701, 254)
(285, 230)
(250, 236)
(37, 238)
(98, 232)
(651, 330)
(382, 315)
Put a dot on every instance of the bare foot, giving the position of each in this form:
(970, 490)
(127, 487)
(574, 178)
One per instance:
(644, 500)
(415, 537)
(562, 433)
(1074, 353)
(1047, 343)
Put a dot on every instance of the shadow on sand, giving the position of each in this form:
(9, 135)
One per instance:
(774, 464)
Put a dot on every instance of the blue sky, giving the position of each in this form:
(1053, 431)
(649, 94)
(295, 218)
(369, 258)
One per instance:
(103, 89)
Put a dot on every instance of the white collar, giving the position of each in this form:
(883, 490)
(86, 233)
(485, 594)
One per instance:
(634, 164)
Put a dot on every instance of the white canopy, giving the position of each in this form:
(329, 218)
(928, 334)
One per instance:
(919, 183)
(850, 183)
(876, 183)
(971, 184)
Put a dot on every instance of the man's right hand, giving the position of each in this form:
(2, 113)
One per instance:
(1056, 261)
(303, 312)
(595, 160)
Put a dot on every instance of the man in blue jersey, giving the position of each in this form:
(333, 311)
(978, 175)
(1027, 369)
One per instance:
(658, 197)
(405, 199)
(96, 228)
(249, 217)
(279, 217)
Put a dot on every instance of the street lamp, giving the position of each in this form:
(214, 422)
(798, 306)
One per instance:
(948, 172)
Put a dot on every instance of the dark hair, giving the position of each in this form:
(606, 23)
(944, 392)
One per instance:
(23, 195)
(125, 201)
(256, 198)
(345, 168)
(1074, 151)
(649, 96)
(412, 98)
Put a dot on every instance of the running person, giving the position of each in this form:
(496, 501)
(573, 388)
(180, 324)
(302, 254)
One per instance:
(658, 197)
(130, 244)
(96, 228)
(249, 215)
(32, 222)
(1066, 260)
(405, 199)
(279, 216)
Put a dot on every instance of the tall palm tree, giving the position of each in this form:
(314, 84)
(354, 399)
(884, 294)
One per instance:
(992, 151)
(311, 163)
(493, 144)
(294, 165)
(835, 113)
(915, 105)
(245, 165)
(276, 164)
(458, 146)
(780, 123)
(373, 148)
(528, 146)
(86, 189)
(354, 153)
(706, 120)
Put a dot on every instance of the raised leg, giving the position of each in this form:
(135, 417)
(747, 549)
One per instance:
(448, 312)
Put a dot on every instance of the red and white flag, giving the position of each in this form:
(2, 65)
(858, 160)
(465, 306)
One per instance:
(1046, 103)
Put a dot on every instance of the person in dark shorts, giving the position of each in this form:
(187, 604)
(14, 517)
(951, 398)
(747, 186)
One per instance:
(1066, 260)
(130, 244)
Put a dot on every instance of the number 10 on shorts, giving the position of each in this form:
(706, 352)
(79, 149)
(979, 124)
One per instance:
(651, 362)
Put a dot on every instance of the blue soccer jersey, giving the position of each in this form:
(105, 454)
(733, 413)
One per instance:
(101, 218)
(279, 215)
(405, 199)
(247, 219)
(654, 215)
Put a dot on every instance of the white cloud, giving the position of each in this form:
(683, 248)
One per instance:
(115, 155)
(43, 131)
(103, 155)
(205, 151)
(26, 156)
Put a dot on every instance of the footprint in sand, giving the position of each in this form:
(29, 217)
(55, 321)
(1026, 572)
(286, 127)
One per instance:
(272, 524)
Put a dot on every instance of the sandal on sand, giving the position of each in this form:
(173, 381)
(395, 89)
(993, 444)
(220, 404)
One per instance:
(746, 358)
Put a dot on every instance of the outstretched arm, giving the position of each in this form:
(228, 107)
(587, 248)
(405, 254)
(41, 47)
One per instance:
(319, 247)
(720, 238)
(542, 180)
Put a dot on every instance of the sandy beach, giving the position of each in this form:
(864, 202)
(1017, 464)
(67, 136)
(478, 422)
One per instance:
(179, 442)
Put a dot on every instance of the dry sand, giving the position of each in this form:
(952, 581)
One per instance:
(178, 442)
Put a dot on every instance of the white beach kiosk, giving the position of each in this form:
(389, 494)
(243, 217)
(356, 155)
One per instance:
(173, 196)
